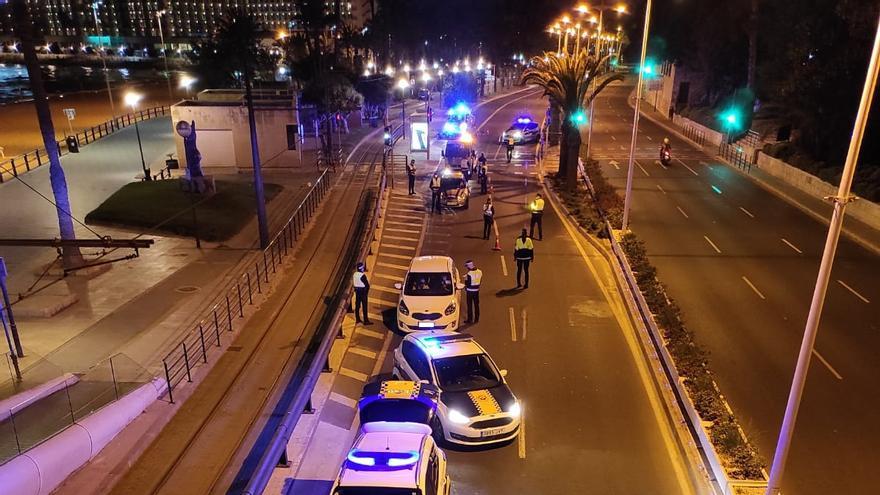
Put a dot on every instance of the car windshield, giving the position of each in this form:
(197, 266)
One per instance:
(428, 284)
(375, 490)
(451, 183)
(461, 373)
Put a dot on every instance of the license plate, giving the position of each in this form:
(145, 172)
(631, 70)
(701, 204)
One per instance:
(491, 432)
(426, 324)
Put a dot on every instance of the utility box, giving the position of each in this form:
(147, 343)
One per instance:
(72, 144)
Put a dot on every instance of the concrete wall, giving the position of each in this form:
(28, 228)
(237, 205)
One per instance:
(862, 209)
(229, 124)
(712, 136)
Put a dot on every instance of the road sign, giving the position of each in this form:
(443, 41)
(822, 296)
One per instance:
(420, 138)
(70, 113)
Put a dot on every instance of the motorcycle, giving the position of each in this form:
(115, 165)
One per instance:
(665, 157)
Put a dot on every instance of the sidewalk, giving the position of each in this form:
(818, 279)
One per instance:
(860, 232)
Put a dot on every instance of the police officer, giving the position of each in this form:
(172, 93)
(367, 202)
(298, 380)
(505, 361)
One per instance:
(361, 291)
(411, 176)
(537, 208)
(435, 192)
(472, 288)
(488, 217)
(483, 177)
(524, 253)
(482, 160)
(510, 144)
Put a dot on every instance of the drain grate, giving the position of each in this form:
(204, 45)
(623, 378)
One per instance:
(188, 289)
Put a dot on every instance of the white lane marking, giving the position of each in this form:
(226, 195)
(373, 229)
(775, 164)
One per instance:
(615, 164)
(863, 298)
(503, 266)
(649, 138)
(613, 138)
(343, 399)
(747, 212)
(521, 439)
(682, 212)
(661, 189)
(357, 375)
(643, 169)
(363, 352)
(398, 256)
(512, 324)
(517, 173)
(750, 284)
(381, 302)
(409, 215)
(525, 321)
(828, 365)
(409, 223)
(405, 231)
(398, 246)
(792, 246)
(685, 166)
(497, 150)
(399, 238)
(392, 265)
(388, 277)
(712, 244)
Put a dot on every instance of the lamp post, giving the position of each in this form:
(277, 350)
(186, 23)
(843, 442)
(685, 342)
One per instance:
(840, 201)
(159, 14)
(632, 146)
(95, 5)
(403, 84)
(186, 82)
(132, 99)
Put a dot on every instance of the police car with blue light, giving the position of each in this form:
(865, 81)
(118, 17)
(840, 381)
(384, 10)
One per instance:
(458, 121)
(394, 453)
(476, 406)
(524, 130)
(429, 295)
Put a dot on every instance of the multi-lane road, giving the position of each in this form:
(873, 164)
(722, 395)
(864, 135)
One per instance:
(593, 421)
(742, 264)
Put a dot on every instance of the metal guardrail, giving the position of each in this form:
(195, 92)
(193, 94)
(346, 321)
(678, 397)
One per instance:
(217, 321)
(324, 338)
(694, 134)
(21, 164)
(736, 155)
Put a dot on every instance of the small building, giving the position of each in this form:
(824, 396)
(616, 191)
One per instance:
(223, 134)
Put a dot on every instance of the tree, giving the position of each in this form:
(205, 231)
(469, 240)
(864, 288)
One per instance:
(70, 256)
(571, 81)
(237, 39)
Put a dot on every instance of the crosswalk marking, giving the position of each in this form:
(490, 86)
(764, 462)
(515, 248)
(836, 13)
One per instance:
(389, 290)
(348, 401)
(398, 238)
(392, 265)
(363, 352)
(381, 302)
(357, 375)
(405, 231)
(398, 256)
(398, 246)
(388, 277)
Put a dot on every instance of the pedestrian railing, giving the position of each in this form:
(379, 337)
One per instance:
(694, 134)
(736, 155)
(317, 361)
(21, 164)
(66, 399)
(216, 324)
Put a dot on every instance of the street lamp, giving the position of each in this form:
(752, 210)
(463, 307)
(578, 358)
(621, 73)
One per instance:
(403, 84)
(95, 5)
(132, 99)
(159, 14)
(186, 82)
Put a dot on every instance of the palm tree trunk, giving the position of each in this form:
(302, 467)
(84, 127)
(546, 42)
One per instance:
(70, 256)
(259, 191)
(572, 144)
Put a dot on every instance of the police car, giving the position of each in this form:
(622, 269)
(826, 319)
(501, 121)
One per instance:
(429, 295)
(476, 406)
(524, 130)
(394, 452)
(458, 121)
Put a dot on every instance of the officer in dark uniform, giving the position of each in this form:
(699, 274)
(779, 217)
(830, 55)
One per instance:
(361, 292)
(510, 145)
(411, 176)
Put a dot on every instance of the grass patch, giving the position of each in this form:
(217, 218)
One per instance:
(690, 359)
(161, 206)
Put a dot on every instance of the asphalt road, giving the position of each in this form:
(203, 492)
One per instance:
(592, 424)
(742, 264)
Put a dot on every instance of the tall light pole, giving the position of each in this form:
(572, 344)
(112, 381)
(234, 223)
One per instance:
(95, 5)
(403, 84)
(840, 201)
(159, 14)
(632, 145)
(132, 99)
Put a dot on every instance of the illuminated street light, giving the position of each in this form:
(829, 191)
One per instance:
(186, 82)
(402, 83)
(132, 99)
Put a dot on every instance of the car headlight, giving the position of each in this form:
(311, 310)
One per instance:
(515, 410)
(517, 135)
(402, 308)
(462, 193)
(449, 309)
(458, 418)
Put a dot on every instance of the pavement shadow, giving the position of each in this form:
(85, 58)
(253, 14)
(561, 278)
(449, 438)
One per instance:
(508, 292)
(306, 487)
(446, 445)
(389, 319)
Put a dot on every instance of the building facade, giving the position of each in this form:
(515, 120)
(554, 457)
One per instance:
(137, 21)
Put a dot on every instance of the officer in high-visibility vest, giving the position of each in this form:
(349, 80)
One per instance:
(537, 208)
(510, 144)
(523, 253)
(411, 176)
(435, 192)
(472, 288)
(361, 291)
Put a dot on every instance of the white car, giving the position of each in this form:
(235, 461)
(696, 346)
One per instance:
(476, 406)
(394, 453)
(429, 295)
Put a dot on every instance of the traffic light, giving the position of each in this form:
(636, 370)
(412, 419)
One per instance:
(387, 136)
(731, 119)
(578, 118)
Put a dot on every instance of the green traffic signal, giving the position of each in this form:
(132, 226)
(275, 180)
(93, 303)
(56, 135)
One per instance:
(578, 118)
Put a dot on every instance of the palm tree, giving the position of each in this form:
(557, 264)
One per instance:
(571, 81)
(23, 24)
(236, 38)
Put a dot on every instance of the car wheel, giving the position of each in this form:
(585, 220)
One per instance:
(437, 428)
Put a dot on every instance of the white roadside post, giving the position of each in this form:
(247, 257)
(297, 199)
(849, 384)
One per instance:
(840, 201)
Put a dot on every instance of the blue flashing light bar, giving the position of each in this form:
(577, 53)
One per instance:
(382, 460)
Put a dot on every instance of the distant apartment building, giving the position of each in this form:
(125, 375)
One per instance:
(136, 21)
